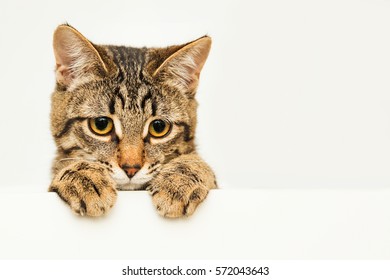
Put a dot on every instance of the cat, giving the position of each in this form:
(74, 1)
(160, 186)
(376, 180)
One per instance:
(124, 118)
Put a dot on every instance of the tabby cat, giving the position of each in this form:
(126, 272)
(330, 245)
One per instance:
(124, 118)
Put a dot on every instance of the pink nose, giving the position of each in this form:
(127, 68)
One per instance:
(131, 169)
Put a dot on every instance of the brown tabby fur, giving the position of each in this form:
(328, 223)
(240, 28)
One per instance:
(132, 86)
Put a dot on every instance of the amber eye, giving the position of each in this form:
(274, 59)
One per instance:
(159, 128)
(101, 125)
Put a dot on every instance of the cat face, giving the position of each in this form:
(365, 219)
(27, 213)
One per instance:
(131, 109)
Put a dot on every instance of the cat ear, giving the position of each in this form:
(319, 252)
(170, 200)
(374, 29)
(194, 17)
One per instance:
(183, 67)
(75, 56)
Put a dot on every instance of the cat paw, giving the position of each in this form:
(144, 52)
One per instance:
(175, 203)
(87, 188)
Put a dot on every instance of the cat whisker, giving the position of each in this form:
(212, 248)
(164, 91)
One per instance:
(182, 175)
(155, 168)
(84, 159)
(64, 159)
(191, 161)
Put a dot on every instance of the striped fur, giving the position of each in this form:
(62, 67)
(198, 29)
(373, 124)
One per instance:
(132, 87)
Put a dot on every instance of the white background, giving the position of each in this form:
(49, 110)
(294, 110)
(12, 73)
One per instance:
(294, 94)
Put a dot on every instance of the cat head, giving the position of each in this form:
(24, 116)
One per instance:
(131, 109)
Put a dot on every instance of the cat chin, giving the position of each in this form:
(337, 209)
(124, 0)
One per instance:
(130, 187)
(136, 183)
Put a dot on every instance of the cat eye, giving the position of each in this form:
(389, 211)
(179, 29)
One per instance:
(101, 125)
(159, 128)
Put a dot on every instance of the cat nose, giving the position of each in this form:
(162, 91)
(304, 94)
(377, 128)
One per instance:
(131, 169)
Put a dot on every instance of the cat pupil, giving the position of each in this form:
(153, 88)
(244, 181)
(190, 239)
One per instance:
(159, 126)
(101, 123)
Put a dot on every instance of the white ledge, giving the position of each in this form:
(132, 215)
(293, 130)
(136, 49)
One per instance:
(230, 224)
